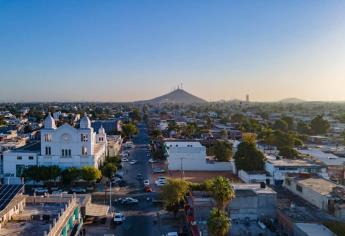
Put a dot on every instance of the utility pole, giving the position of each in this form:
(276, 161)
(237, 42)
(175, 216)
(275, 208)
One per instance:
(182, 171)
(110, 197)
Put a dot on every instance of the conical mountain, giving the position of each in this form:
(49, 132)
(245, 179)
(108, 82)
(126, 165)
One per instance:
(179, 96)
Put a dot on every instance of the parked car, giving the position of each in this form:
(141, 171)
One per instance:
(140, 177)
(124, 159)
(58, 192)
(129, 201)
(158, 170)
(146, 182)
(148, 155)
(132, 162)
(152, 161)
(160, 183)
(78, 190)
(119, 218)
(41, 190)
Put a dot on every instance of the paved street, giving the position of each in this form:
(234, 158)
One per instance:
(139, 218)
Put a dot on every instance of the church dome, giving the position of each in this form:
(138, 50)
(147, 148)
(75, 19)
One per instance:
(49, 122)
(101, 130)
(85, 122)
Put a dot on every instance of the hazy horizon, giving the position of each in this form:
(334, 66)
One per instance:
(124, 51)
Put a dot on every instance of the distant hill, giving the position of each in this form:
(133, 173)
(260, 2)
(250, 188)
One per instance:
(177, 96)
(291, 100)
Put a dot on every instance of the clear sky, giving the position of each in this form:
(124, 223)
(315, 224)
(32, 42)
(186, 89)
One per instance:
(124, 50)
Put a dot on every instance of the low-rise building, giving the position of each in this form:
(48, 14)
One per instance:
(253, 201)
(319, 192)
(191, 156)
(277, 169)
(334, 165)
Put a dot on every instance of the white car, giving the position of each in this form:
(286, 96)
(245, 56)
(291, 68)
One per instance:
(152, 161)
(124, 159)
(119, 218)
(171, 234)
(132, 162)
(160, 182)
(40, 190)
(147, 182)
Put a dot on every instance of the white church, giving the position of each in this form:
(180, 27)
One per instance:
(64, 146)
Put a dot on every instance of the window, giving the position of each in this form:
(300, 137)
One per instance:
(48, 137)
(31, 157)
(84, 151)
(66, 152)
(19, 158)
(83, 137)
(299, 188)
(48, 151)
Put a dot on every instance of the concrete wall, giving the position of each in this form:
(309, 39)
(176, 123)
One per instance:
(309, 195)
(251, 178)
(198, 164)
(253, 206)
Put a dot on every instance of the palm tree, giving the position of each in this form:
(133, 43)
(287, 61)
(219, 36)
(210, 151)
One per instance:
(222, 192)
(218, 223)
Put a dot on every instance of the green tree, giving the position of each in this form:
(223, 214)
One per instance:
(70, 175)
(53, 172)
(238, 118)
(281, 125)
(222, 150)
(129, 130)
(173, 193)
(221, 191)
(249, 158)
(290, 122)
(156, 133)
(135, 115)
(283, 139)
(173, 126)
(90, 173)
(303, 127)
(288, 152)
(218, 223)
(109, 169)
(319, 125)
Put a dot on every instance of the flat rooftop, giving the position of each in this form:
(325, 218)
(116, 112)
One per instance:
(326, 158)
(183, 144)
(256, 188)
(319, 185)
(314, 229)
(291, 163)
(29, 222)
(31, 147)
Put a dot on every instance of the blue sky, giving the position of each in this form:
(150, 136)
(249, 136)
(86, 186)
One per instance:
(129, 50)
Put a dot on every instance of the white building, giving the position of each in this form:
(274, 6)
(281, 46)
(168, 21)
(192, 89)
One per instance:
(64, 146)
(277, 169)
(191, 156)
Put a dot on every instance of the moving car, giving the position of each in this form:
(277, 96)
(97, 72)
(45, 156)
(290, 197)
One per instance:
(132, 162)
(129, 201)
(158, 170)
(119, 218)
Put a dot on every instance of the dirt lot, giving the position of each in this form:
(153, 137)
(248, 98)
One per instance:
(200, 176)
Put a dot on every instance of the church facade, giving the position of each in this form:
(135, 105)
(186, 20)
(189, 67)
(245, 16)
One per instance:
(64, 146)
